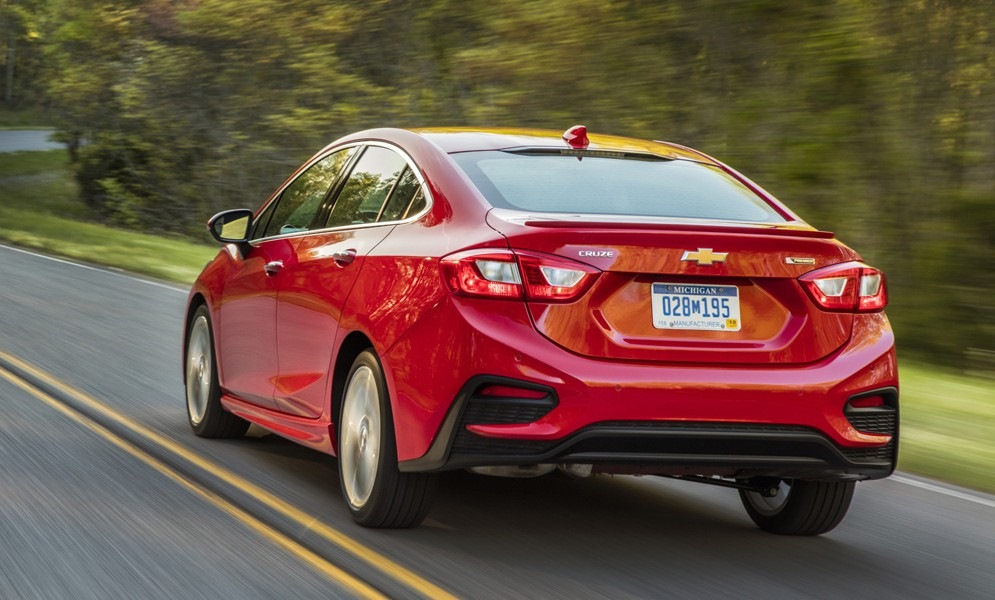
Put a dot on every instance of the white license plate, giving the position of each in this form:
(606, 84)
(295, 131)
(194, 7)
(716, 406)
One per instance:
(696, 307)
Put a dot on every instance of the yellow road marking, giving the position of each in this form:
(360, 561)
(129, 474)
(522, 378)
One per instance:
(306, 520)
(359, 587)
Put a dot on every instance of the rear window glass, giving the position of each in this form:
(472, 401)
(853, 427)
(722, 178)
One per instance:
(644, 186)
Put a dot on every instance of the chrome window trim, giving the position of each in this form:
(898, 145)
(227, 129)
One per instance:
(429, 199)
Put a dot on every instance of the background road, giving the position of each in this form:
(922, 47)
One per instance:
(80, 517)
(19, 140)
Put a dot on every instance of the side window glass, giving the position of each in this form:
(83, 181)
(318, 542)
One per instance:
(364, 192)
(400, 198)
(418, 203)
(300, 202)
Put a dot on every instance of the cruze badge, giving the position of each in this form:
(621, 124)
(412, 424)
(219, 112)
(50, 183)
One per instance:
(704, 256)
(596, 253)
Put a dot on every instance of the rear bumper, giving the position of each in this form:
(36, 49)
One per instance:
(675, 448)
(733, 421)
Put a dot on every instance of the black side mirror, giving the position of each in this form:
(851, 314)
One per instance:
(231, 226)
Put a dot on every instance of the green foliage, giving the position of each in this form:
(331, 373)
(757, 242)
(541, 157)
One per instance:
(21, 57)
(874, 119)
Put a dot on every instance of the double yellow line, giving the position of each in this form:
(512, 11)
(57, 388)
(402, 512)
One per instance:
(307, 521)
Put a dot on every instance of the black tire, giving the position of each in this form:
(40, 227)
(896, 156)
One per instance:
(800, 507)
(377, 493)
(205, 414)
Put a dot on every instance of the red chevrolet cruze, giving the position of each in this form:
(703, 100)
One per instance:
(517, 301)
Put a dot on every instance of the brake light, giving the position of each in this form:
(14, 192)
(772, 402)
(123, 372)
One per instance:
(514, 275)
(490, 274)
(847, 287)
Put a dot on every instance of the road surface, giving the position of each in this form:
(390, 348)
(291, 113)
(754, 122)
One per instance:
(143, 509)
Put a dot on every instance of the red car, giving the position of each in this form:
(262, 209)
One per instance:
(517, 301)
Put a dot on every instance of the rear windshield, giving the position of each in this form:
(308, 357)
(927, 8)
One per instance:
(581, 183)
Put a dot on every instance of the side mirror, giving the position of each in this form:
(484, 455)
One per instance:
(231, 226)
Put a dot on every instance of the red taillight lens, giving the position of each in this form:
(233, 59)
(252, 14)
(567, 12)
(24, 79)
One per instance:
(848, 287)
(488, 274)
(505, 274)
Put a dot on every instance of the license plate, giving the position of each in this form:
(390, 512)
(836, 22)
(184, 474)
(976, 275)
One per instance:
(696, 307)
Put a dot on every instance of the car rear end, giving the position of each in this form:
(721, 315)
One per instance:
(670, 318)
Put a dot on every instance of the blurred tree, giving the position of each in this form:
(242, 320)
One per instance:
(874, 119)
(20, 51)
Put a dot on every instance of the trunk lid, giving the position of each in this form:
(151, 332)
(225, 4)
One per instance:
(688, 292)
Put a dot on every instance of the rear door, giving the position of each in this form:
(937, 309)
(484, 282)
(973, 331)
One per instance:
(314, 288)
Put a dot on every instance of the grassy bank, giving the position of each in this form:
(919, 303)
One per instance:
(39, 210)
(948, 419)
(948, 426)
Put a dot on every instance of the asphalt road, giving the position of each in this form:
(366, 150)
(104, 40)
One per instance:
(18, 140)
(81, 517)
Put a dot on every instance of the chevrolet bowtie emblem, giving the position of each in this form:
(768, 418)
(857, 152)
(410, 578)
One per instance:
(705, 256)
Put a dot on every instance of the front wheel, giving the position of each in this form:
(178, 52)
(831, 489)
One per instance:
(378, 494)
(795, 507)
(205, 414)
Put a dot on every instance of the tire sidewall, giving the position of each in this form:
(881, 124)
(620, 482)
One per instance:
(811, 508)
(216, 422)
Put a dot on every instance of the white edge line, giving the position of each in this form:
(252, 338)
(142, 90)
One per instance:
(108, 270)
(939, 489)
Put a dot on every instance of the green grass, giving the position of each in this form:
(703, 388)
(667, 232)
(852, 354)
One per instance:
(39, 209)
(52, 162)
(23, 118)
(948, 426)
(947, 419)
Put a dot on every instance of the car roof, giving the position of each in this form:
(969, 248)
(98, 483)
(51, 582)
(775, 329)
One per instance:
(451, 140)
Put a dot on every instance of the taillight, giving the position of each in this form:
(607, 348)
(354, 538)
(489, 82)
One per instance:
(847, 287)
(506, 274)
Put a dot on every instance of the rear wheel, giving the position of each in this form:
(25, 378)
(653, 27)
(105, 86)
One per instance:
(797, 507)
(205, 414)
(378, 494)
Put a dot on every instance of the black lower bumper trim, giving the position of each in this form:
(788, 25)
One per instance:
(679, 448)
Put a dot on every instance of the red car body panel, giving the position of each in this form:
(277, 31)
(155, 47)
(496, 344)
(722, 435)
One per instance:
(280, 339)
(780, 324)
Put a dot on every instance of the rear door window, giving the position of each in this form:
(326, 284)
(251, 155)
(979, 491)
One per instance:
(367, 188)
(397, 206)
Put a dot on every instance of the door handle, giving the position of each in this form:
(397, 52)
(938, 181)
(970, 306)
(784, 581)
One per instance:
(345, 257)
(273, 267)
